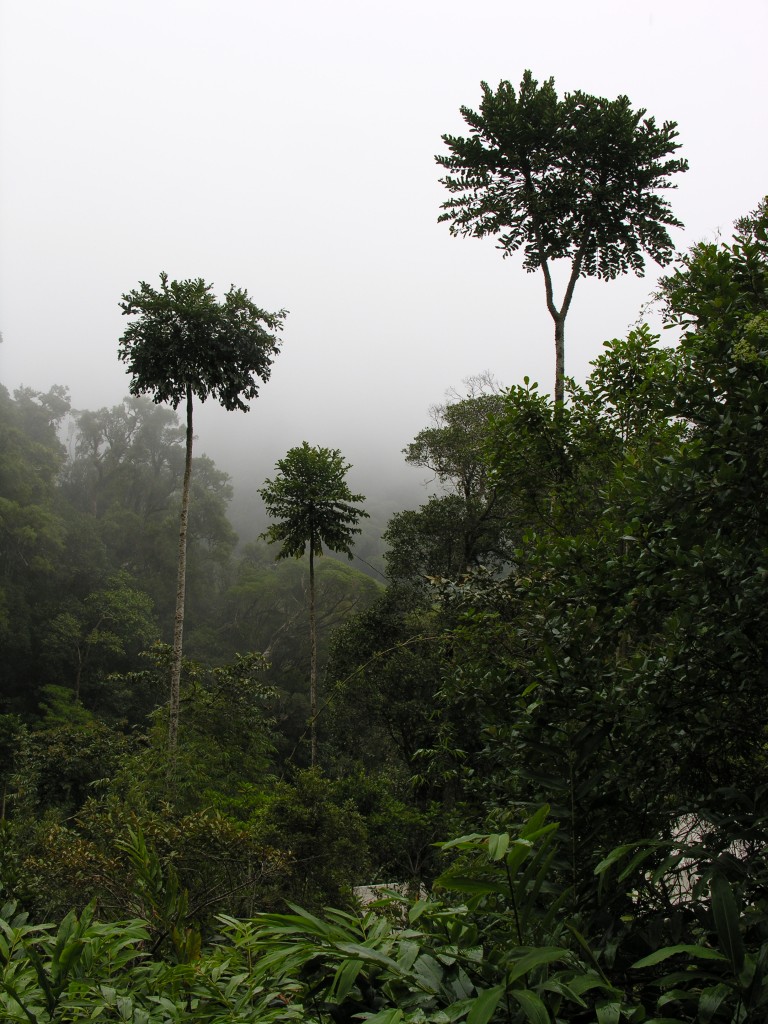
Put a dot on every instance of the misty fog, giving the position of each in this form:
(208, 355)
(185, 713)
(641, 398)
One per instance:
(290, 150)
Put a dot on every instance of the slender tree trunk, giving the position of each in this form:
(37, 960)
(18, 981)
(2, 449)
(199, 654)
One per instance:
(312, 659)
(559, 361)
(559, 315)
(181, 583)
(79, 674)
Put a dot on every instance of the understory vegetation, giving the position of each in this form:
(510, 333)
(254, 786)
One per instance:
(548, 729)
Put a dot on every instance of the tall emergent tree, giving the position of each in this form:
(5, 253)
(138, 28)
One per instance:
(314, 507)
(185, 343)
(572, 179)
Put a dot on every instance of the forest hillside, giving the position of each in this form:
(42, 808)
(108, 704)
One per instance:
(544, 716)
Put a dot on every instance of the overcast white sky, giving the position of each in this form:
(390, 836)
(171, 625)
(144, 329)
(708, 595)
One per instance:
(287, 147)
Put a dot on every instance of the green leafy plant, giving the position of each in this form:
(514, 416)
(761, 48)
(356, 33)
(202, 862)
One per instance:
(501, 953)
(700, 906)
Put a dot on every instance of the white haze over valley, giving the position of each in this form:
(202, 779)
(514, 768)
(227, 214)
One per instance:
(288, 148)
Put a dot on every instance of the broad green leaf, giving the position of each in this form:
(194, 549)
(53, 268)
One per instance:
(314, 925)
(747, 972)
(710, 1001)
(537, 824)
(688, 977)
(640, 857)
(484, 1005)
(726, 914)
(368, 955)
(517, 856)
(608, 1013)
(69, 955)
(385, 1017)
(676, 995)
(498, 845)
(417, 910)
(8, 909)
(455, 1011)
(408, 951)
(534, 1009)
(234, 983)
(346, 976)
(475, 839)
(702, 952)
(429, 972)
(125, 1007)
(462, 986)
(545, 955)
(616, 854)
(560, 988)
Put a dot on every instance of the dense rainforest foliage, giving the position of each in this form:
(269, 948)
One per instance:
(549, 726)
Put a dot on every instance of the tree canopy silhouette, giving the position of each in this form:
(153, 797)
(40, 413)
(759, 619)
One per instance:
(185, 343)
(574, 179)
